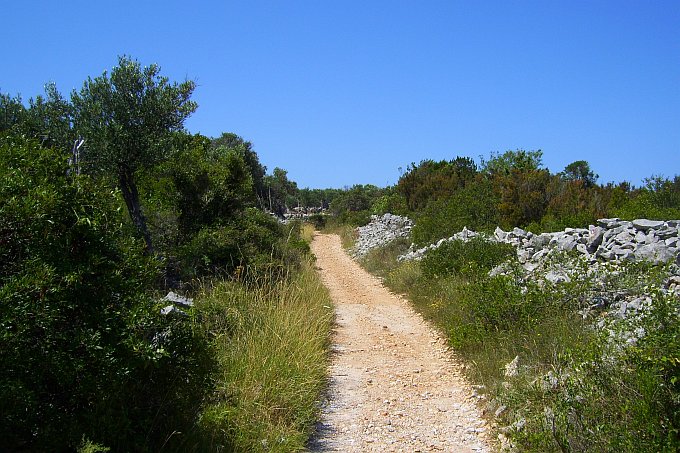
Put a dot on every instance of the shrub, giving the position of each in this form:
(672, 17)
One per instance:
(473, 206)
(254, 244)
(85, 351)
(659, 199)
(318, 220)
(472, 257)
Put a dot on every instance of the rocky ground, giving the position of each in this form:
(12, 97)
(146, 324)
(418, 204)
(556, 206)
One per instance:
(395, 386)
(380, 231)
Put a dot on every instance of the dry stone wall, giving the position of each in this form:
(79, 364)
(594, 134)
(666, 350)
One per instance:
(610, 240)
(381, 230)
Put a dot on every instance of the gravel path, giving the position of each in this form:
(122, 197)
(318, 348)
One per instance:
(395, 387)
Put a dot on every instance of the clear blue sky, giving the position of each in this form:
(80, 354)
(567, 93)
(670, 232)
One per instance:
(345, 92)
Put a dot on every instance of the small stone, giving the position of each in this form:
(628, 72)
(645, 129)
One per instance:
(172, 310)
(512, 368)
(176, 299)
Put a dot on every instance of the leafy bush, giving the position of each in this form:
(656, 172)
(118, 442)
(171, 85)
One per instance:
(391, 202)
(472, 257)
(318, 220)
(659, 199)
(350, 218)
(602, 397)
(212, 186)
(430, 180)
(85, 349)
(253, 244)
(473, 207)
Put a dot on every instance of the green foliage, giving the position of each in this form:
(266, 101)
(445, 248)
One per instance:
(317, 198)
(608, 398)
(12, 112)
(382, 260)
(351, 218)
(252, 244)
(356, 199)
(390, 202)
(85, 349)
(659, 199)
(318, 220)
(88, 446)
(234, 143)
(432, 180)
(519, 161)
(271, 342)
(88, 362)
(127, 121)
(572, 204)
(580, 171)
(212, 186)
(49, 119)
(473, 207)
(281, 191)
(127, 118)
(523, 196)
(469, 258)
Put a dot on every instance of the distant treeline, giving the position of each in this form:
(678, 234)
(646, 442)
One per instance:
(508, 190)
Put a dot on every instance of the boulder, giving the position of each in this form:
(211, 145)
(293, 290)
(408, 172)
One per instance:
(665, 232)
(609, 223)
(595, 235)
(644, 224)
(565, 242)
(499, 234)
(655, 253)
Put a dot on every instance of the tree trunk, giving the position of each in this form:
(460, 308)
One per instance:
(126, 180)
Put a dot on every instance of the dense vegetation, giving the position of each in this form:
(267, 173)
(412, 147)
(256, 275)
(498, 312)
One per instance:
(106, 202)
(509, 190)
(575, 387)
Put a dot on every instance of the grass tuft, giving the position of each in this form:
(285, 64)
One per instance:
(271, 341)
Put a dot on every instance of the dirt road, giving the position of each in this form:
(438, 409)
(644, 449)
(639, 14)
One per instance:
(394, 385)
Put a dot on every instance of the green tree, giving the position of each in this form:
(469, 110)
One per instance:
(580, 171)
(49, 119)
(233, 142)
(523, 196)
(85, 350)
(430, 180)
(128, 120)
(213, 186)
(12, 112)
(280, 191)
(658, 199)
(519, 160)
(474, 207)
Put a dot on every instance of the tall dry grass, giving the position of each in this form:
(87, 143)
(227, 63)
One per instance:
(271, 341)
